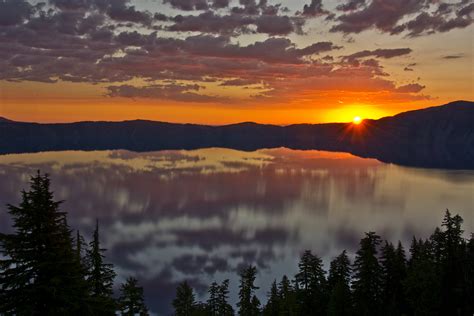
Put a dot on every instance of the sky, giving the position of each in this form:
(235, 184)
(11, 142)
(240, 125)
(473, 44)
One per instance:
(227, 61)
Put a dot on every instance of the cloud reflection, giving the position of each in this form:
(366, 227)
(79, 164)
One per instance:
(198, 215)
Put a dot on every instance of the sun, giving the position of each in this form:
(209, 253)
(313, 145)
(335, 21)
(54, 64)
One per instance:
(357, 120)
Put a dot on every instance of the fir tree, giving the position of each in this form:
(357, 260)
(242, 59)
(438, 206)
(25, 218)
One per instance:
(100, 277)
(273, 303)
(340, 301)
(422, 285)
(39, 271)
(131, 301)
(311, 280)
(367, 283)
(223, 307)
(394, 272)
(184, 302)
(248, 303)
(287, 298)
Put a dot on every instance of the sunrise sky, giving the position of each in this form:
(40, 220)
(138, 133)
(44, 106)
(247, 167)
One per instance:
(227, 61)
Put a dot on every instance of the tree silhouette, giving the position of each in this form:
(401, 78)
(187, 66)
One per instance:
(100, 277)
(184, 303)
(367, 283)
(340, 300)
(131, 301)
(273, 303)
(39, 271)
(393, 264)
(312, 287)
(287, 298)
(248, 304)
(217, 304)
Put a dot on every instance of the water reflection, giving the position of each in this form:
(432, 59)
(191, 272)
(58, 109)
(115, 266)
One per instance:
(202, 214)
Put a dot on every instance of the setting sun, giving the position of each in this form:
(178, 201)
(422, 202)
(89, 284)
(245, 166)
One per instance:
(357, 120)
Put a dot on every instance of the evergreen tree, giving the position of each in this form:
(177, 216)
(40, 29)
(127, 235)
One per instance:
(248, 303)
(367, 284)
(223, 307)
(273, 303)
(213, 301)
(100, 277)
(287, 298)
(184, 303)
(311, 280)
(394, 272)
(421, 285)
(340, 301)
(452, 268)
(131, 301)
(470, 275)
(39, 270)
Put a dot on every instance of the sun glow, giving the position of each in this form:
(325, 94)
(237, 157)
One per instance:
(357, 120)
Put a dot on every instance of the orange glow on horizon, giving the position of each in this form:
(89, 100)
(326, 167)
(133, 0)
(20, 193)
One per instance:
(357, 120)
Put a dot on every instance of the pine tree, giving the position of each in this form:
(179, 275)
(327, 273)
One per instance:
(311, 280)
(39, 271)
(184, 302)
(470, 275)
(367, 283)
(131, 301)
(452, 268)
(340, 300)
(286, 292)
(422, 284)
(247, 300)
(223, 307)
(273, 305)
(100, 277)
(213, 301)
(394, 272)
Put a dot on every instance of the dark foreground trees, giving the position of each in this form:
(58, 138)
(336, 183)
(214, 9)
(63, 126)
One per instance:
(44, 270)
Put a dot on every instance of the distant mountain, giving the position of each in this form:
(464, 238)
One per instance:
(4, 120)
(437, 137)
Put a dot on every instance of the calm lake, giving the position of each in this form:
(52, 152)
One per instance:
(201, 215)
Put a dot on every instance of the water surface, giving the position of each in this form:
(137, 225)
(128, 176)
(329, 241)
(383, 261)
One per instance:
(201, 215)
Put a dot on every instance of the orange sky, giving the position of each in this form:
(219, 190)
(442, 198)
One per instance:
(324, 66)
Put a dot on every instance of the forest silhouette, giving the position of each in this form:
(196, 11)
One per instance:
(47, 269)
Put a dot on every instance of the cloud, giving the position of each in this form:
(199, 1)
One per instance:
(175, 92)
(190, 5)
(457, 56)
(314, 9)
(413, 16)
(379, 53)
(410, 88)
(14, 12)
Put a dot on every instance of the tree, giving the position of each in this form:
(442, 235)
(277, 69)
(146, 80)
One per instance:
(393, 264)
(311, 280)
(184, 302)
(248, 303)
(217, 304)
(422, 285)
(287, 298)
(367, 283)
(100, 277)
(39, 271)
(131, 301)
(340, 300)
(273, 305)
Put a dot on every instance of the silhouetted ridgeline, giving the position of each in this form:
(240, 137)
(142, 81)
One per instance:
(438, 137)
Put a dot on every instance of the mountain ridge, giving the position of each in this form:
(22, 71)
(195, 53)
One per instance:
(435, 137)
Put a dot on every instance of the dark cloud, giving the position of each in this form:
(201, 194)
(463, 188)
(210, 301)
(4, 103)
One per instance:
(314, 9)
(379, 53)
(410, 88)
(457, 56)
(175, 92)
(188, 5)
(350, 5)
(14, 12)
(390, 18)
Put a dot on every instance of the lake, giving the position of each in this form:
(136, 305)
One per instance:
(201, 215)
